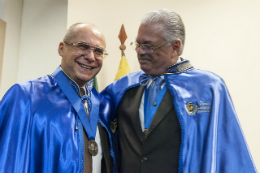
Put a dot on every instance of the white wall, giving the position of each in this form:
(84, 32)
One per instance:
(2, 9)
(12, 17)
(222, 37)
(43, 27)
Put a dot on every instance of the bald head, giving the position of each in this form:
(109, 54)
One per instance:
(75, 28)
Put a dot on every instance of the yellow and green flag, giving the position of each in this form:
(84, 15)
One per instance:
(123, 68)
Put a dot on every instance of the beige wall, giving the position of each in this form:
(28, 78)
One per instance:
(34, 30)
(222, 37)
(2, 9)
(43, 27)
(12, 17)
(2, 42)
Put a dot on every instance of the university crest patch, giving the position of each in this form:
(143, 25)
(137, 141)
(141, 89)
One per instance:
(191, 108)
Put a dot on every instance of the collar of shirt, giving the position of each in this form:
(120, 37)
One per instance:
(151, 80)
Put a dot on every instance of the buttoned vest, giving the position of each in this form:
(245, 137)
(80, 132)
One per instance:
(159, 151)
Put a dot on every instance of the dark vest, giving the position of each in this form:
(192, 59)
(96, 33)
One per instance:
(159, 152)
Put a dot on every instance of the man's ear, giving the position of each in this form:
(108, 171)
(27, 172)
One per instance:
(176, 45)
(61, 49)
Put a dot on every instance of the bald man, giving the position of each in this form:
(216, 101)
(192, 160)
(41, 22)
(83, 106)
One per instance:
(52, 124)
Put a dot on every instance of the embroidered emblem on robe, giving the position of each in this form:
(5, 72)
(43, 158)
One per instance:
(191, 108)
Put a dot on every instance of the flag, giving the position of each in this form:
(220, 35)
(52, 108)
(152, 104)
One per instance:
(95, 83)
(123, 68)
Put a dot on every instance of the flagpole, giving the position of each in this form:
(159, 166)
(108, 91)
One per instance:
(123, 68)
(122, 37)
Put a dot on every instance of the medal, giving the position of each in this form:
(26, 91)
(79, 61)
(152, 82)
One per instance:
(92, 147)
(89, 125)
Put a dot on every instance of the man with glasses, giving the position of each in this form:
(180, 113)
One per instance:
(52, 124)
(172, 117)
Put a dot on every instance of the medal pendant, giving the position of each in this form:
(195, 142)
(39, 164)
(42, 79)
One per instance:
(92, 147)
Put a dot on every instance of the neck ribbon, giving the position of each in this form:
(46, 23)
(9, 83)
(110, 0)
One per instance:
(89, 125)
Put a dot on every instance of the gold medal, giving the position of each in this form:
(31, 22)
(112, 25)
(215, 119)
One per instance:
(92, 147)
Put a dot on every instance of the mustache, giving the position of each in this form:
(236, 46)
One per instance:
(144, 57)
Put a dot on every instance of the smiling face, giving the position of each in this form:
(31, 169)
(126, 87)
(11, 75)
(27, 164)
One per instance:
(82, 68)
(155, 64)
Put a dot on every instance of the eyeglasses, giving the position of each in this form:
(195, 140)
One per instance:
(85, 48)
(148, 49)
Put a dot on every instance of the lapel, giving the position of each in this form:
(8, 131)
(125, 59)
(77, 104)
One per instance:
(165, 106)
(135, 97)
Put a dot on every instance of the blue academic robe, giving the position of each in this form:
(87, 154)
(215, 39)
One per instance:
(37, 129)
(212, 140)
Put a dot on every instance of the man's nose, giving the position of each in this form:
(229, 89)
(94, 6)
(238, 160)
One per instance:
(90, 55)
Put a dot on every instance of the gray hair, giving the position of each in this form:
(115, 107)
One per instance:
(173, 27)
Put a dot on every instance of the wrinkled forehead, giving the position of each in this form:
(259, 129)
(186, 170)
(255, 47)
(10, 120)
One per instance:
(150, 33)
